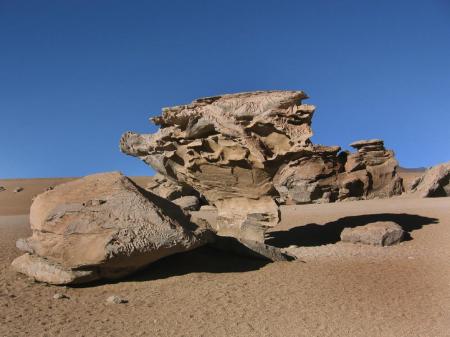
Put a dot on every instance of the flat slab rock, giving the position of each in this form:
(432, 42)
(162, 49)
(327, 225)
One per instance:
(381, 233)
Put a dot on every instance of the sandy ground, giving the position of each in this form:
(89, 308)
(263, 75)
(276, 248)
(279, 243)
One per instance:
(335, 289)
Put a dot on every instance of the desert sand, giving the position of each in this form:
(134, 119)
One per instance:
(334, 289)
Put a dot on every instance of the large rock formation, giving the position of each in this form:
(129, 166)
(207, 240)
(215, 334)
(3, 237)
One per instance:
(101, 226)
(247, 152)
(229, 148)
(435, 182)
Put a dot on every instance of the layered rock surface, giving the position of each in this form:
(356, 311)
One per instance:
(101, 226)
(247, 152)
(370, 173)
(229, 147)
(170, 189)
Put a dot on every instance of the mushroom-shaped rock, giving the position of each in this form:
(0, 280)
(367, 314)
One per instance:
(229, 147)
(101, 226)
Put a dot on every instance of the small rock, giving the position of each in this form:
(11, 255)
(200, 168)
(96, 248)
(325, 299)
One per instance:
(18, 189)
(59, 296)
(50, 188)
(381, 233)
(208, 208)
(188, 203)
(2, 188)
(113, 299)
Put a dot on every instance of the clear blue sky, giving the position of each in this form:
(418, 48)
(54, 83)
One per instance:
(74, 75)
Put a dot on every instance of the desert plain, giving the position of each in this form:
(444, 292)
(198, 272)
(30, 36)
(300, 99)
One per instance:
(333, 289)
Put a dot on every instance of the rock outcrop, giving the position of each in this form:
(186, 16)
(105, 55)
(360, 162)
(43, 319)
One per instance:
(248, 152)
(229, 148)
(101, 226)
(435, 182)
(381, 233)
(370, 173)
(325, 175)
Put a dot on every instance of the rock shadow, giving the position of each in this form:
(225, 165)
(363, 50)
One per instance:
(317, 235)
(201, 260)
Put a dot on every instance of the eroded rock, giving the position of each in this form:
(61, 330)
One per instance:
(228, 147)
(101, 226)
(248, 152)
(435, 182)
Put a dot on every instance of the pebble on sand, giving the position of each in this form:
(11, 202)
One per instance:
(113, 299)
(59, 296)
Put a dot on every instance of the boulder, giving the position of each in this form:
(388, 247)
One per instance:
(435, 182)
(101, 226)
(381, 233)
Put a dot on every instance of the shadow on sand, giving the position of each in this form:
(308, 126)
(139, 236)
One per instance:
(201, 260)
(317, 235)
(211, 260)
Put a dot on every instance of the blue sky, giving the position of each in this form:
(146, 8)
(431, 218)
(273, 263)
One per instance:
(75, 75)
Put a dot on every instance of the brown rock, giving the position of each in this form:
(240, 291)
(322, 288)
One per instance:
(228, 146)
(245, 152)
(435, 182)
(382, 233)
(188, 203)
(124, 227)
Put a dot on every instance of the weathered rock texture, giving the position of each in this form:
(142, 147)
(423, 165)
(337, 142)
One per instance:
(381, 233)
(246, 152)
(229, 147)
(435, 182)
(370, 173)
(324, 175)
(101, 226)
(188, 203)
(170, 189)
